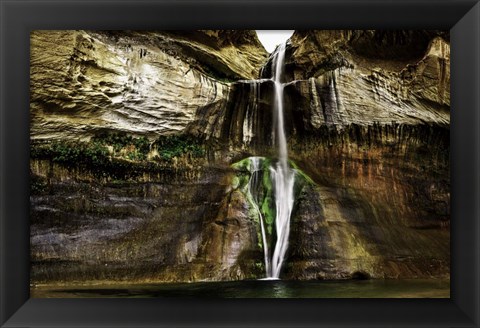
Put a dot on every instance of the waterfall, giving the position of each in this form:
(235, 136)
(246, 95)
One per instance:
(279, 184)
(282, 175)
(278, 106)
(253, 186)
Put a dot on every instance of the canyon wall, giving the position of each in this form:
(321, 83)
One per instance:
(134, 136)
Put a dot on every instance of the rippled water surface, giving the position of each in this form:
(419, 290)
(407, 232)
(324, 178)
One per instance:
(259, 289)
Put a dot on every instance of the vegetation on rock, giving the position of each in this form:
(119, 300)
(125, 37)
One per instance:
(177, 145)
(118, 156)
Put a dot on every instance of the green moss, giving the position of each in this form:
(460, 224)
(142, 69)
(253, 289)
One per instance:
(95, 152)
(124, 145)
(178, 145)
(265, 203)
(89, 156)
(266, 163)
(235, 182)
(259, 266)
(72, 153)
(137, 149)
(265, 194)
(243, 165)
(302, 174)
(268, 209)
(268, 205)
(117, 155)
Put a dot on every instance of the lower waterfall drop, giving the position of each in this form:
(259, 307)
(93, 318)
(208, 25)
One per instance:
(253, 185)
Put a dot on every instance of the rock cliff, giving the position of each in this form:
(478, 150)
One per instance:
(134, 136)
(147, 83)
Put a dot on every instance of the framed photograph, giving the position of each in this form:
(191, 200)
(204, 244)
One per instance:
(165, 164)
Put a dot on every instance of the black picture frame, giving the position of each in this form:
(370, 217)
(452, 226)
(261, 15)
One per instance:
(19, 17)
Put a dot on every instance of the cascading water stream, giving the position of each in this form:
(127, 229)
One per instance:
(282, 179)
(282, 176)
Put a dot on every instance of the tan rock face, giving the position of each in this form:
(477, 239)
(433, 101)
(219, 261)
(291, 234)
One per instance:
(343, 77)
(83, 82)
(429, 79)
(156, 84)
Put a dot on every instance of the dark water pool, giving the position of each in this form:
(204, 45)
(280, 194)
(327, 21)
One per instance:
(259, 289)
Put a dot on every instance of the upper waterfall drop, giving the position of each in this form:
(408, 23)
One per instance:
(280, 137)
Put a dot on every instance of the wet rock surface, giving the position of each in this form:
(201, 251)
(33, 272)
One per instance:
(380, 206)
(186, 226)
